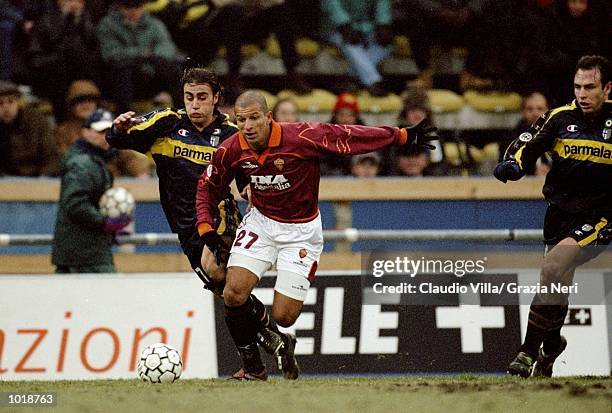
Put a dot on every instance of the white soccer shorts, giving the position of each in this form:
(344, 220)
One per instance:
(294, 247)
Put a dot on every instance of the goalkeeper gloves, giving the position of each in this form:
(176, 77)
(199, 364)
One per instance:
(116, 224)
(420, 134)
(508, 171)
(216, 245)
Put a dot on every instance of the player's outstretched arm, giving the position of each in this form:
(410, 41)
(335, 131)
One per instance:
(130, 131)
(357, 139)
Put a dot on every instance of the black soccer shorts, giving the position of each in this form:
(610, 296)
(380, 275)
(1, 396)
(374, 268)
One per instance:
(584, 228)
(192, 245)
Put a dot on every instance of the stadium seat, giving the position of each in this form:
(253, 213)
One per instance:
(307, 48)
(401, 47)
(444, 101)
(373, 104)
(493, 101)
(273, 47)
(318, 100)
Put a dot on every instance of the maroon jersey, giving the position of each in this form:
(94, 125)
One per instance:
(284, 178)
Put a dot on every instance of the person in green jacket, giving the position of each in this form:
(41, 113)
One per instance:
(139, 55)
(83, 237)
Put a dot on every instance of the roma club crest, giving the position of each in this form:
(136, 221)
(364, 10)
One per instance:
(279, 163)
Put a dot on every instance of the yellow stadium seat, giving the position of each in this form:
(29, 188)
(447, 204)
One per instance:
(273, 47)
(443, 100)
(318, 100)
(306, 47)
(493, 101)
(401, 47)
(373, 104)
(249, 50)
(489, 153)
(455, 153)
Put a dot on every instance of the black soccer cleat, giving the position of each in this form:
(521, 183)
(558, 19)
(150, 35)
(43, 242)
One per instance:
(522, 365)
(286, 358)
(543, 366)
(270, 341)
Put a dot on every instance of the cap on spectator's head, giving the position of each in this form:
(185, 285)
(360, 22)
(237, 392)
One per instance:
(131, 3)
(9, 89)
(347, 101)
(373, 157)
(99, 121)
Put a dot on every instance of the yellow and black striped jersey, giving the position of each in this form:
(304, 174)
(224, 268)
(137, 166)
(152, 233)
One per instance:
(580, 179)
(181, 154)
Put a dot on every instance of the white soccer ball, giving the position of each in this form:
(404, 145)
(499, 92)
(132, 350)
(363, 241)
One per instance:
(160, 363)
(117, 201)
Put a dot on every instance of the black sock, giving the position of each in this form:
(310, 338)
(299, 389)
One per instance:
(242, 325)
(540, 321)
(552, 341)
(262, 314)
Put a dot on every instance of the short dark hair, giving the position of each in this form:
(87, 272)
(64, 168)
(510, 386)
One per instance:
(252, 97)
(596, 62)
(201, 75)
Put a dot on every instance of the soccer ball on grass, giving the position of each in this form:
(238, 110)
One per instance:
(160, 363)
(116, 201)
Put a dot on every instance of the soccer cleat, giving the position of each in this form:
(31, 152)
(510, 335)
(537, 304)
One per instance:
(543, 366)
(286, 358)
(270, 341)
(243, 375)
(521, 365)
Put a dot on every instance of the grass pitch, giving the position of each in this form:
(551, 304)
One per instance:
(454, 394)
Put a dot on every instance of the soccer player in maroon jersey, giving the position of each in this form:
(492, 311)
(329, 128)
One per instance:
(283, 226)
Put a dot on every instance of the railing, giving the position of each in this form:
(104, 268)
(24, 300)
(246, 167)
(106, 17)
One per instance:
(348, 235)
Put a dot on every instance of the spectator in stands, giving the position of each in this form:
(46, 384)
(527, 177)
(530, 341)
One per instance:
(82, 99)
(362, 31)
(214, 23)
(85, 177)
(63, 48)
(533, 105)
(582, 28)
(15, 16)
(97, 9)
(413, 163)
(483, 27)
(138, 53)
(366, 165)
(555, 36)
(27, 147)
(285, 110)
(345, 112)
(416, 108)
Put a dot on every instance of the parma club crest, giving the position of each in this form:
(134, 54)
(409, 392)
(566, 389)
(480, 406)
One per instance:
(607, 131)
